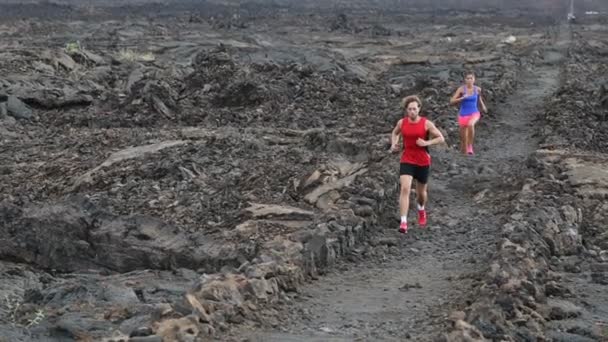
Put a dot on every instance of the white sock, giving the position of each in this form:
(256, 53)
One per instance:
(420, 207)
(403, 219)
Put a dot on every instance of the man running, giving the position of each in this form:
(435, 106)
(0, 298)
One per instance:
(469, 97)
(415, 160)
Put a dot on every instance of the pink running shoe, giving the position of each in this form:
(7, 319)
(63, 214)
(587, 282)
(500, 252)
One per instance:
(470, 149)
(403, 228)
(422, 218)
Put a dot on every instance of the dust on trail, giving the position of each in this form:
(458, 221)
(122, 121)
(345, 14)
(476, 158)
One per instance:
(409, 292)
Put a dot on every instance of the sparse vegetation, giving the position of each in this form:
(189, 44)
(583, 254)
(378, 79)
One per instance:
(129, 55)
(73, 47)
(602, 327)
(14, 312)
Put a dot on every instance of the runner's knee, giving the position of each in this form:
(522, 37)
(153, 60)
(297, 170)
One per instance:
(421, 189)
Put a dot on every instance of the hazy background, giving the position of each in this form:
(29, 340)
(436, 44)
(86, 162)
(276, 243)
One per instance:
(541, 10)
(540, 5)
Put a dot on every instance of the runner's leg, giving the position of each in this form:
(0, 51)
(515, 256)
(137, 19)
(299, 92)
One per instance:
(404, 198)
(422, 178)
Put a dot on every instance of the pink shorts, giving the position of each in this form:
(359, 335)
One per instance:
(463, 121)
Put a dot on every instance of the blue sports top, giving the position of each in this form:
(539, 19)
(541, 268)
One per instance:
(468, 105)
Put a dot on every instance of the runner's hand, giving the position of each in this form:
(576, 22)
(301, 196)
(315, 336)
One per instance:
(421, 142)
(394, 148)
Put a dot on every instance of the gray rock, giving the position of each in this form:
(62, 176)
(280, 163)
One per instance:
(95, 58)
(562, 309)
(135, 76)
(396, 88)
(262, 270)
(65, 61)
(17, 109)
(141, 332)
(260, 289)
(554, 289)
(13, 334)
(120, 294)
(599, 267)
(77, 324)
(572, 267)
(3, 111)
(572, 216)
(558, 336)
(43, 68)
(364, 200)
(136, 326)
(58, 98)
(599, 278)
(153, 338)
(388, 241)
(74, 234)
(364, 211)
(9, 121)
(569, 241)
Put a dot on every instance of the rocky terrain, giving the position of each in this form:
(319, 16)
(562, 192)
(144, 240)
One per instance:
(193, 171)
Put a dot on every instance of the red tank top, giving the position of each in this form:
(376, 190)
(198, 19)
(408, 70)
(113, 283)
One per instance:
(412, 153)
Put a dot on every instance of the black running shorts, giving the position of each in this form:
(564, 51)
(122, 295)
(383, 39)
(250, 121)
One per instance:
(419, 173)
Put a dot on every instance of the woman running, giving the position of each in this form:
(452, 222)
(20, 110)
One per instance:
(415, 160)
(469, 98)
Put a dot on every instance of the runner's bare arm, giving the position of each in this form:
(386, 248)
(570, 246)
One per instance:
(395, 135)
(437, 137)
(483, 104)
(457, 98)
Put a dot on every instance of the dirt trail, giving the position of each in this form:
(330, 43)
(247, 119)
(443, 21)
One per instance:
(408, 292)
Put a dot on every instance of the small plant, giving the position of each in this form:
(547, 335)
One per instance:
(73, 47)
(11, 308)
(132, 56)
(602, 329)
(37, 319)
(14, 312)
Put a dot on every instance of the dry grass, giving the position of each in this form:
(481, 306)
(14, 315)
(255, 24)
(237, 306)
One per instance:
(128, 55)
(72, 47)
(11, 312)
